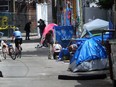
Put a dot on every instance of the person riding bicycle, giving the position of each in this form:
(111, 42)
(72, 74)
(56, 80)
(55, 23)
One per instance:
(6, 44)
(17, 35)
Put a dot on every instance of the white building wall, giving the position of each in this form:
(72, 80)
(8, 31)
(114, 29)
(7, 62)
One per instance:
(44, 11)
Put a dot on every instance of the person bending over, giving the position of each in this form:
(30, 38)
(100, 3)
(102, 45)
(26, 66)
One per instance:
(69, 51)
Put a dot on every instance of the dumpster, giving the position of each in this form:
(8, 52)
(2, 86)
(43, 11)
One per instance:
(113, 61)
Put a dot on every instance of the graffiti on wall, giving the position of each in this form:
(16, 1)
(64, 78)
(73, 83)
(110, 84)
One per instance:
(4, 23)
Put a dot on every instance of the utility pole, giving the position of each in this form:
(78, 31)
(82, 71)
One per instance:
(80, 15)
(13, 6)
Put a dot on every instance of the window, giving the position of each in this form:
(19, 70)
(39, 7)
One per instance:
(3, 2)
(4, 6)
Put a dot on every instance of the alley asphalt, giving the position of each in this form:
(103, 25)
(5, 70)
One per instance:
(103, 74)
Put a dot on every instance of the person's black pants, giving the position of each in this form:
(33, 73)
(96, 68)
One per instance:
(18, 41)
(27, 36)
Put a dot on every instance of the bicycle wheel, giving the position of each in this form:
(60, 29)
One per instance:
(12, 53)
(4, 52)
(19, 53)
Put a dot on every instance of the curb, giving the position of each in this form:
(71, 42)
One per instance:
(83, 77)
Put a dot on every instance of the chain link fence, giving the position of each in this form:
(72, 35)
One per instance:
(9, 21)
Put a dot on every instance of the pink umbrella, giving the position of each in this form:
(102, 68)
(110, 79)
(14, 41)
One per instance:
(46, 30)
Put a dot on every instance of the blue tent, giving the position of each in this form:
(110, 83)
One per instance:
(90, 49)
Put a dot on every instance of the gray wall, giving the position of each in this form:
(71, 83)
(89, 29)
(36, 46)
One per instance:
(93, 13)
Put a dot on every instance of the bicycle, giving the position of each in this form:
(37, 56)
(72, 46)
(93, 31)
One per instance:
(18, 52)
(9, 52)
(4, 51)
(7, 48)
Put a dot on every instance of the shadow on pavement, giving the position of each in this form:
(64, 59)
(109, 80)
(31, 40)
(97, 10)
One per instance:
(38, 52)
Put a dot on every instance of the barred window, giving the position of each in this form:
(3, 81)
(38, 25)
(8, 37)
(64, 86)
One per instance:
(4, 5)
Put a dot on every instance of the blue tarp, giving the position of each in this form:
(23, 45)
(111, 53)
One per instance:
(90, 49)
(63, 34)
